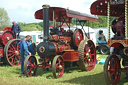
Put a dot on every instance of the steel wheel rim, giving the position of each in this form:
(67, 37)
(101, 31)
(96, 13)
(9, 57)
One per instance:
(59, 67)
(13, 53)
(31, 66)
(78, 38)
(89, 56)
(112, 66)
(5, 35)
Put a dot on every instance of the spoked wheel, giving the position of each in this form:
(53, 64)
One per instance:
(58, 66)
(30, 66)
(87, 55)
(12, 52)
(77, 38)
(112, 75)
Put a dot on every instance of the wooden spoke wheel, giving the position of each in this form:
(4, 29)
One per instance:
(77, 38)
(30, 66)
(112, 75)
(87, 55)
(12, 52)
(58, 66)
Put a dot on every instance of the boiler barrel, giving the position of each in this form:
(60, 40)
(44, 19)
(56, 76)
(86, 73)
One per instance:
(46, 49)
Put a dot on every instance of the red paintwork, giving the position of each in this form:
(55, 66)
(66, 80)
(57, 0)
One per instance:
(4, 35)
(66, 14)
(7, 29)
(65, 39)
(119, 27)
(60, 48)
(98, 9)
(89, 55)
(71, 56)
(58, 71)
(80, 35)
(117, 43)
(1, 51)
(13, 58)
(112, 70)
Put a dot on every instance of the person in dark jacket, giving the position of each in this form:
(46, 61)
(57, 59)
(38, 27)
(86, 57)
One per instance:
(32, 46)
(24, 52)
(16, 29)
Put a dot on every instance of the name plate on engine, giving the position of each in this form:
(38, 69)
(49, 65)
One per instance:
(116, 2)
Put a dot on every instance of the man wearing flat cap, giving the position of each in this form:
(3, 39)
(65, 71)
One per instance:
(16, 29)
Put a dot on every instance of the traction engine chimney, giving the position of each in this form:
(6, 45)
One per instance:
(46, 21)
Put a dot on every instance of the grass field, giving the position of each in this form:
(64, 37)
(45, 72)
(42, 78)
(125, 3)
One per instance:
(72, 76)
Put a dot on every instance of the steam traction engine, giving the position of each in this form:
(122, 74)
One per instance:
(9, 49)
(62, 49)
(119, 42)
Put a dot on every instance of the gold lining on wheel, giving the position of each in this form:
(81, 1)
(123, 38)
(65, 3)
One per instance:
(124, 51)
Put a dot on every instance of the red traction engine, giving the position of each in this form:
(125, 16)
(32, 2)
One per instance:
(117, 61)
(62, 50)
(9, 50)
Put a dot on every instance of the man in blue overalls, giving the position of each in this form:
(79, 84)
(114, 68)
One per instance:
(24, 51)
(16, 29)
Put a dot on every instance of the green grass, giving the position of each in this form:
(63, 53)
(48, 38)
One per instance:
(72, 76)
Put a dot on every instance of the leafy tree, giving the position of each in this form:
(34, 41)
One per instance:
(30, 27)
(4, 19)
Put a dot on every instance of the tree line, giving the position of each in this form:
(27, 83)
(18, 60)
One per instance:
(5, 21)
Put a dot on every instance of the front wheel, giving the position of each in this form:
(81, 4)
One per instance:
(30, 66)
(111, 73)
(58, 66)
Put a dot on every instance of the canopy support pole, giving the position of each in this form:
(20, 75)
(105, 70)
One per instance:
(108, 16)
(126, 19)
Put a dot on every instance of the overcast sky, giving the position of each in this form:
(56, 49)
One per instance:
(23, 10)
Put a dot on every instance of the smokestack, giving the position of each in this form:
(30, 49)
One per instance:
(46, 21)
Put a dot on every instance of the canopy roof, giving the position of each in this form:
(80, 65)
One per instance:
(117, 9)
(62, 13)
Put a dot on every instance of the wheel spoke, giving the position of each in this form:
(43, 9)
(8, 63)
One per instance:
(10, 57)
(29, 70)
(13, 47)
(29, 62)
(57, 67)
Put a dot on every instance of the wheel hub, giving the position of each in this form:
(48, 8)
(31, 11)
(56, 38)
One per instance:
(7, 38)
(60, 67)
(78, 37)
(16, 53)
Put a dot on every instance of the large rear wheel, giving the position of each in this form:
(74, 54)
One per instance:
(12, 52)
(111, 73)
(58, 66)
(87, 55)
(77, 38)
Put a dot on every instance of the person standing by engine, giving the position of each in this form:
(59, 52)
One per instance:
(16, 29)
(24, 52)
(101, 36)
(31, 46)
